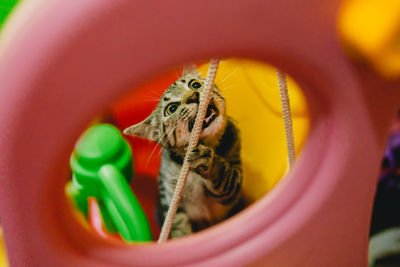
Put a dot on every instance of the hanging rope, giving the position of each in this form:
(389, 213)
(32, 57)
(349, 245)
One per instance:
(287, 117)
(194, 138)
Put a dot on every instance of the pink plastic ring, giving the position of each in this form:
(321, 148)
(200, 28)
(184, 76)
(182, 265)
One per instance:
(62, 61)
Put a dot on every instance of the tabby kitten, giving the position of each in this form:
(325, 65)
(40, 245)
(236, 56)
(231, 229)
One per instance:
(213, 186)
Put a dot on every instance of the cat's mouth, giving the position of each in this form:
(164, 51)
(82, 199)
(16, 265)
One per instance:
(211, 115)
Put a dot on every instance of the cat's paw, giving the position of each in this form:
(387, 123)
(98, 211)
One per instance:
(201, 158)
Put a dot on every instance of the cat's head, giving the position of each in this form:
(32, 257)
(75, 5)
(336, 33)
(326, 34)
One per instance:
(172, 121)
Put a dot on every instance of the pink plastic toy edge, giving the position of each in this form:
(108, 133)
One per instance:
(70, 58)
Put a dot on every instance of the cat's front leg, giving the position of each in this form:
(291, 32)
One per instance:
(222, 178)
(181, 225)
(201, 159)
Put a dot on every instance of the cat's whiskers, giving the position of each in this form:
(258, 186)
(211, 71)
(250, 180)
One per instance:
(155, 93)
(229, 75)
(151, 97)
(168, 133)
(151, 154)
(171, 131)
(228, 87)
(184, 121)
(150, 100)
(178, 74)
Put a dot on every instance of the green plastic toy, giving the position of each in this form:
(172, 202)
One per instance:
(5, 8)
(102, 168)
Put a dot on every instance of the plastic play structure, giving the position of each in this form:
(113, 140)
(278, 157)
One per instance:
(102, 169)
(62, 62)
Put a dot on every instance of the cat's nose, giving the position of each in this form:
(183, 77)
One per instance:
(192, 97)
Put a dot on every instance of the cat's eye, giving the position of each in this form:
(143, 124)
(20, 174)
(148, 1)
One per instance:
(195, 84)
(171, 108)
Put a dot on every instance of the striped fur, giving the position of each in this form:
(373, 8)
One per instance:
(213, 185)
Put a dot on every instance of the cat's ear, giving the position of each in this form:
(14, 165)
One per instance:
(149, 129)
(190, 69)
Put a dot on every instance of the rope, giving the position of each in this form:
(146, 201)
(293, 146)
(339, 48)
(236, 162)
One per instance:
(287, 117)
(194, 138)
